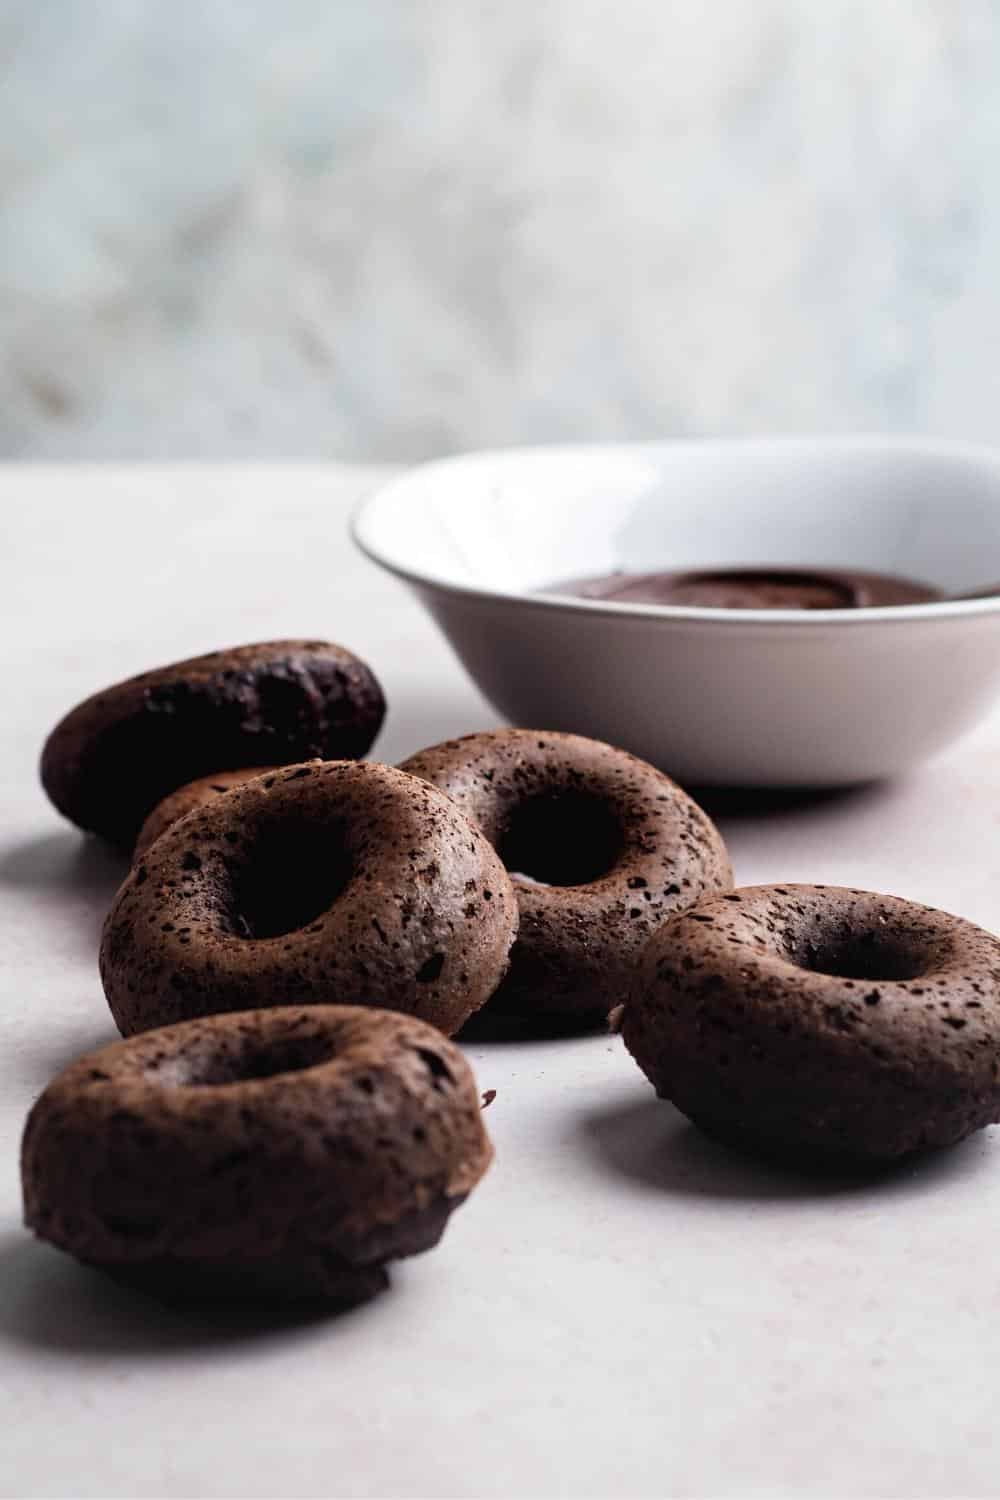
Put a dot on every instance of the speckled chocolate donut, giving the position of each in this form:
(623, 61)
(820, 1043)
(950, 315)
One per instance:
(114, 757)
(336, 882)
(815, 1020)
(186, 799)
(609, 845)
(289, 1152)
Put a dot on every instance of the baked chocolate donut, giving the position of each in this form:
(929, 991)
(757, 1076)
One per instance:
(602, 848)
(290, 1152)
(114, 757)
(815, 1020)
(336, 882)
(186, 798)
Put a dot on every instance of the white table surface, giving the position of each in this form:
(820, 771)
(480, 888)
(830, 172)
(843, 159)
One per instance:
(622, 1308)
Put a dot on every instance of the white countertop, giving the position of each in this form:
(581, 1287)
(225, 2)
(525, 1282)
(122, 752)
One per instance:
(621, 1308)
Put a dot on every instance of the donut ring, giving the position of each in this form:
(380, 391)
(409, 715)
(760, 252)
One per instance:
(617, 844)
(812, 1019)
(288, 1152)
(336, 882)
(186, 798)
(108, 763)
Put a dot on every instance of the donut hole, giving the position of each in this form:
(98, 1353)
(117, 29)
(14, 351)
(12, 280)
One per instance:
(254, 1059)
(561, 838)
(867, 954)
(286, 878)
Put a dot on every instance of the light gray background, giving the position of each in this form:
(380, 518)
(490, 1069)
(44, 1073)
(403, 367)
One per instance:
(390, 228)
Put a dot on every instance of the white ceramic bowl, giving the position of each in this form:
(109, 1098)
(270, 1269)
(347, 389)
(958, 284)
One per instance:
(753, 698)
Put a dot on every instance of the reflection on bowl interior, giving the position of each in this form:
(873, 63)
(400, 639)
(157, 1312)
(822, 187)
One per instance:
(523, 521)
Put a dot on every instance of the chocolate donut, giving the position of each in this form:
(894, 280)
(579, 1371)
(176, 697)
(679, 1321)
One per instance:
(186, 798)
(289, 1152)
(814, 1020)
(114, 757)
(334, 882)
(602, 848)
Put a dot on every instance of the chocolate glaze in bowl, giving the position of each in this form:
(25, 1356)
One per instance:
(753, 588)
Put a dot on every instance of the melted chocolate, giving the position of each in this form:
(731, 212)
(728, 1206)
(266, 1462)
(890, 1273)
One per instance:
(753, 588)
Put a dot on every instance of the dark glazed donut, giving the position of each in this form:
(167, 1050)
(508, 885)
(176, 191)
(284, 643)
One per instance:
(114, 757)
(289, 1152)
(611, 846)
(335, 882)
(815, 1020)
(186, 798)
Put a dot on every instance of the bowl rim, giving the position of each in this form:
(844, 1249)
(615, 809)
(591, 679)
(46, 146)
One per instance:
(360, 530)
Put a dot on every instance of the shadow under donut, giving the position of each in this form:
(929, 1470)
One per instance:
(53, 1302)
(492, 1023)
(78, 872)
(652, 1143)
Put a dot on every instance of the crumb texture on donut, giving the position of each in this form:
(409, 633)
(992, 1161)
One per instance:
(602, 846)
(821, 1020)
(192, 795)
(108, 763)
(339, 882)
(292, 1152)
